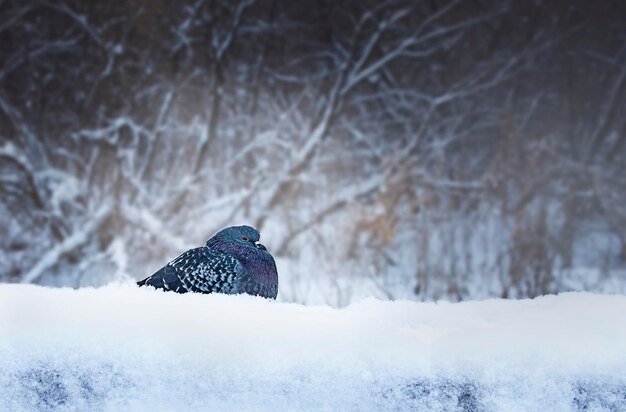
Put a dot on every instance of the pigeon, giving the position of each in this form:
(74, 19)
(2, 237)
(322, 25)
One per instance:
(232, 262)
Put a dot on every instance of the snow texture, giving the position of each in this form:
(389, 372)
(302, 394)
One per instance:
(125, 348)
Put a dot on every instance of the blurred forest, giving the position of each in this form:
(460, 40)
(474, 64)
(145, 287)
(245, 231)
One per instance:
(401, 149)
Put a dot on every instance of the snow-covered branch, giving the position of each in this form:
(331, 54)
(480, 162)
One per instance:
(70, 244)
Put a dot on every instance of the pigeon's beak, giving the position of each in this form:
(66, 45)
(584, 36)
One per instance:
(259, 246)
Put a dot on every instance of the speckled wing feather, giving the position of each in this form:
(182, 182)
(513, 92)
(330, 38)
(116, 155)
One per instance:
(198, 270)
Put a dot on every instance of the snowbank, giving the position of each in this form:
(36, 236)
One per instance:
(121, 347)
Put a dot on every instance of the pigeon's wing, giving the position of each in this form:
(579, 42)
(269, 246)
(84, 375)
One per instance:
(198, 270)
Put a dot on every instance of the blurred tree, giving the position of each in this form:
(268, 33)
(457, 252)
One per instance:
(399, 148)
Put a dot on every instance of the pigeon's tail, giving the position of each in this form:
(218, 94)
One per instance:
(166, 278)
(144, 282)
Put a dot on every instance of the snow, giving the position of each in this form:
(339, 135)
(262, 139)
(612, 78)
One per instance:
(121, 347)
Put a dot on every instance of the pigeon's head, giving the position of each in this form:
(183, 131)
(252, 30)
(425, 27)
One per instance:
(236, 238)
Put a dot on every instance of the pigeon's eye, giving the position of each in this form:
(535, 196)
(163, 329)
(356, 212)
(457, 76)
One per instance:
(244, 238)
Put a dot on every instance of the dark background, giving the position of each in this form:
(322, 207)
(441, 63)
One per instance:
(401, 149)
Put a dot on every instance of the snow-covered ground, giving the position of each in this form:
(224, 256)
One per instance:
(124, 348)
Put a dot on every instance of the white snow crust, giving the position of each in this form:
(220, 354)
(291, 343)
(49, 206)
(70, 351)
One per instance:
(121, 347)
